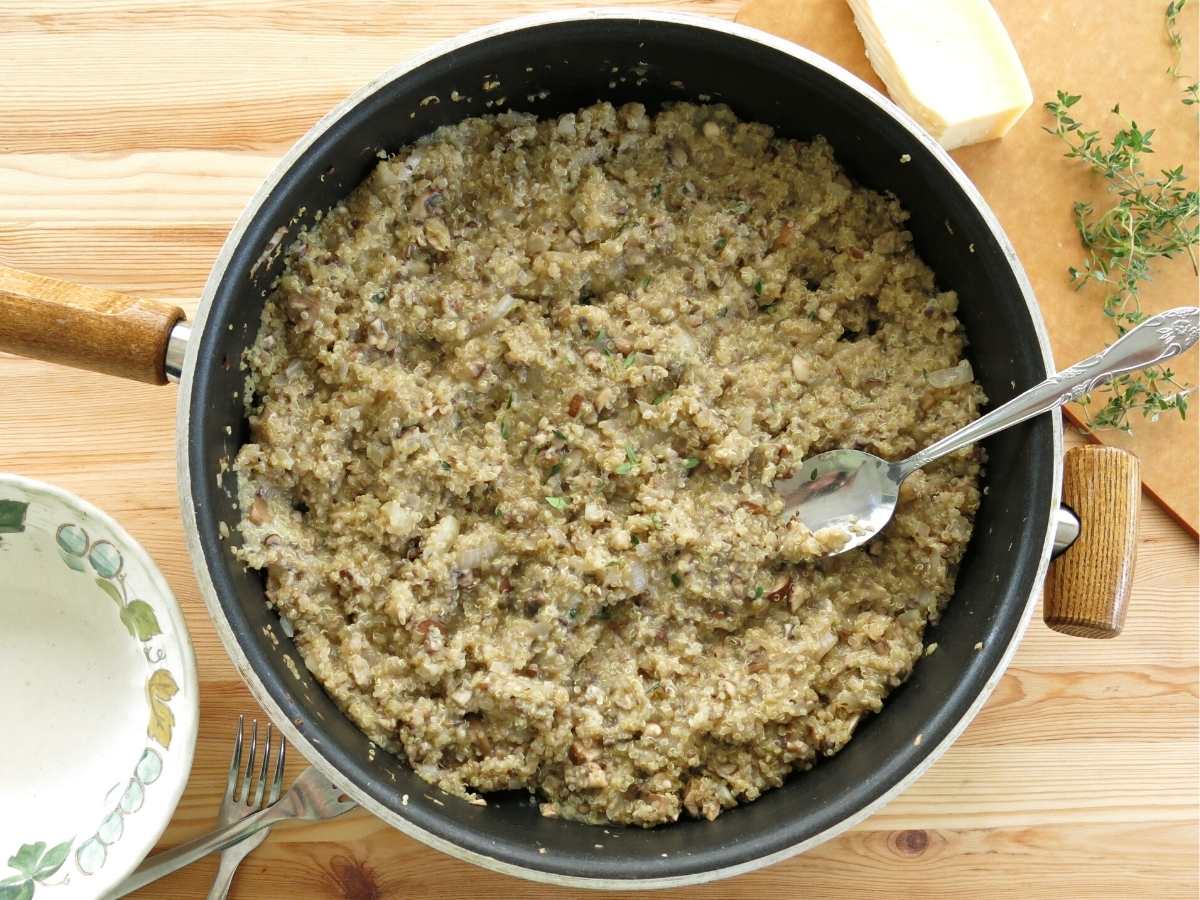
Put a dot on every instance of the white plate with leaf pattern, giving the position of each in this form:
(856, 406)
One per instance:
(99, 692)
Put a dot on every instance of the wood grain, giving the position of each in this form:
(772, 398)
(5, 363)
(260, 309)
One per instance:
(1087, 591)
(86, 327)
(131, 134)
(1070, 45)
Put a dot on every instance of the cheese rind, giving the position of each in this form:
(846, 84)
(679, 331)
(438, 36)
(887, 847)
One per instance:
(949, 63)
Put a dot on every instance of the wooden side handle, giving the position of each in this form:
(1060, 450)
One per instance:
(85, 327)
(1087, 591)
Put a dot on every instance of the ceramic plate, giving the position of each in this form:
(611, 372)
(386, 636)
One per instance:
(99, 697)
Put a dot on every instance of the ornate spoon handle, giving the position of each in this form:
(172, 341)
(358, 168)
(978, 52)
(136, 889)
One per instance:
(1153, 341)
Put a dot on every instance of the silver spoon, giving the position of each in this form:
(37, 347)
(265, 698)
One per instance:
(855, 492)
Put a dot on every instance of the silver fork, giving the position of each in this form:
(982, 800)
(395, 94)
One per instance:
(237, 804)
(312, 797)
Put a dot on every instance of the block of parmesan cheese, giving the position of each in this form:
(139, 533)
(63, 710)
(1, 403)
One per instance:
(949, 63)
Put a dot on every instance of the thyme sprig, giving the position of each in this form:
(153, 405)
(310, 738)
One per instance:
(1191, 92)
(1153, 217)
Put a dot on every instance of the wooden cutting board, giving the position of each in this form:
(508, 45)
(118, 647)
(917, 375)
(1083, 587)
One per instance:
(131, 134)
(1111, 51)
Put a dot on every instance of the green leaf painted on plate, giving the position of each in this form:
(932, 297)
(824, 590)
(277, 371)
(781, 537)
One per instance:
(53, 860)
(26, 859)
(22, 891)
(12, 516)
(111, 589)
(139, 618)
(74, 562)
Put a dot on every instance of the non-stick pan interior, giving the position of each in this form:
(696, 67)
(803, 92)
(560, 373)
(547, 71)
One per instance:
(554, 68)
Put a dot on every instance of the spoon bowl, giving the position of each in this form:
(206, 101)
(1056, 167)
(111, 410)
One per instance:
(848, 490)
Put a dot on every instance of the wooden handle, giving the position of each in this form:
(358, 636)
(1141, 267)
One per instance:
(1087, 591)
(85, 327)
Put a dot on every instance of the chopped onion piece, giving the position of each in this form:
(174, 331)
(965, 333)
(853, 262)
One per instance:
(953, 376)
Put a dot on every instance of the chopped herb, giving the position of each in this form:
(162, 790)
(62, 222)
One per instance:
(629, 360)
(645, 282)
(625, 468)
(812, 476)
(445, 465)
(691, 462)
(656, 192)
(758, 592)
(510, 399)
(635, 540)
(504, 429)
(631, 455)
(758, 287)
(675, 579)
(555, 469)
(660, 398)
(602, 342)
(378, 297)
(603, 614)
(656, 520)
(721, 242)
(558, 434)
(559, 503)
(586, 297)
(574, 613)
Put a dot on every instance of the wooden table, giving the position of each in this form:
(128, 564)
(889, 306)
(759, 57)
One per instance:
(131, 134)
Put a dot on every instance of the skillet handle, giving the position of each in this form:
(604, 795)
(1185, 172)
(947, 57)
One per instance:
(1087, 591)
(85, 327)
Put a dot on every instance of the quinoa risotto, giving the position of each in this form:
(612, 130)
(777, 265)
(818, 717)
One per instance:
(517, 405)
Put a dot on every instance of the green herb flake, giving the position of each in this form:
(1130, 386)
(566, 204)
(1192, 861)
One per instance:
(721, 242)
(625, 468)
(559, 503)
(656, 191)
(558, 434)
(676, 580)
(555, 469)
(504, 429)
(635, 540)
(445, 465)
(645, 282)
(758, 287)
(602, 342)
(691, 462)
(631, 455)
(660, 398)
(629, 360)
(758, 592)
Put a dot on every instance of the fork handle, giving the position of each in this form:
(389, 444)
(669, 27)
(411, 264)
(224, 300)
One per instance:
(163, 864)
(231, 858)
